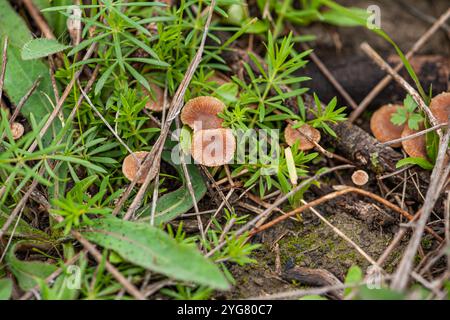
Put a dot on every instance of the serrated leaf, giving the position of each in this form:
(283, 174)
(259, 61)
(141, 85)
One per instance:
(153, 249)
(414, 121)
(5, 289)
(39, 48)
(399, 117)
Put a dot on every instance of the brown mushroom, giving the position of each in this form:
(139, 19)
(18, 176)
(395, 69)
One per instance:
(213, 147)
(17, 130)
(415, 147)
(202, 113)
(360, 177)
(382, 127)
(440, 107)
(302, 133)
(130, 166)
(156, 101)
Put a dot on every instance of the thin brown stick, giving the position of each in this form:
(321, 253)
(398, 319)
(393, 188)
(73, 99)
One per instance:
(152, 160)
(224, 180)
(56, 273)
(191, 189)
(252, 223)
(336, 194)
(42, 25)
(57, 109)
(387, 79)
(414, 135)
(317, 146)
(34, 184)
(326, 72)
(414, 94)
(343, 236)
(406, 264)
(129, 287)
(22, 103)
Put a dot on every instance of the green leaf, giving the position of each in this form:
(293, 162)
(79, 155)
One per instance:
(366, 293)
(175, 203)
(5, 289)
(399, 117)
(21, 74)
(409, 103)
(152, 248)
(23, 229)
(26, 272)
(39, 48)
(421, 162)
(354, 275)
(414, 120)
(56, 21)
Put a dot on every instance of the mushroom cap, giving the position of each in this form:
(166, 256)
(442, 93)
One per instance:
(130, 166)
(201, 113)
(360, 177)
(440, 107)
(155, 102)
(382, 127)
(17, 130)
(213, 147)
(291, 135)
(415, 147)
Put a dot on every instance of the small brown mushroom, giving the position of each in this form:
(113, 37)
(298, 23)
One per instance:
(360, 177)
(156, 101)
(17, 130)
(213, 147)
(440, 107)
(382, 127)
(415, 147)
(130, 166)
(201, 113)
(306, 131)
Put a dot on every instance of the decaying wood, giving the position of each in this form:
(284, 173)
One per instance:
(315, 278)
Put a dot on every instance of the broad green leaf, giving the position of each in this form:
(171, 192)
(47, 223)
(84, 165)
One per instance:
(354, 275)
(39, 48)
(26, 272)
(366, 293)
(175, 203)
(421, 162)
(152, 248)
(23, 229)
(5, 289)
(21, 74)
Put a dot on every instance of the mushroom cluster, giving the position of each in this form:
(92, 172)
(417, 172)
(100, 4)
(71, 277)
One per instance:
(384, 130)
(211, 144)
